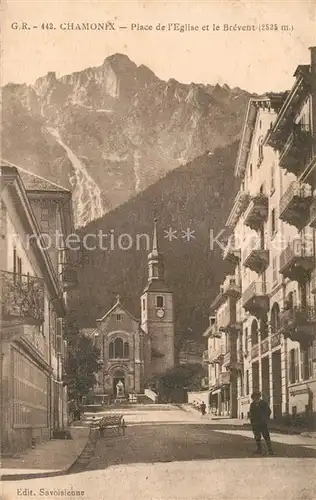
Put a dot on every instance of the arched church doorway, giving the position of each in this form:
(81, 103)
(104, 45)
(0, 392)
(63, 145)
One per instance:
(118, 376)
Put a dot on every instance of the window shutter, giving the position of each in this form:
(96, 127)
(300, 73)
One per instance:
(297, 366)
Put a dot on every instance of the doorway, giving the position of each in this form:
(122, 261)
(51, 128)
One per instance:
(119, 375)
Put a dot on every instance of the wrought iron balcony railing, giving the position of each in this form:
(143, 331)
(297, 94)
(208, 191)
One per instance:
(257, 211)
(254, 351)
(216, 355)
(255, 257)
(231, 287)
(231, 252)
(295, 151)
(297, 259)
(255, 299)
(264, 346)
(275, 340)
(22, 297)
(295, 204)
(299, 324)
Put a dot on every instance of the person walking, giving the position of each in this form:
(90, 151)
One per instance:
(203, 408)
(259, 414)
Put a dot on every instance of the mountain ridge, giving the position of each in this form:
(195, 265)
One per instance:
(110, 131)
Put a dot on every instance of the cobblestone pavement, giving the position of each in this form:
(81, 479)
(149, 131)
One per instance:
(169, 454)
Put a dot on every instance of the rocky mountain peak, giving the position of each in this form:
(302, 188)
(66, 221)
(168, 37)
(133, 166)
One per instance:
(108, 132)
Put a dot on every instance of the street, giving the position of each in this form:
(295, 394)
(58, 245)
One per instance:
(172, 454)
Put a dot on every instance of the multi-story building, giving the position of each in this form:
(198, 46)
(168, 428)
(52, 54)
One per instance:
(272, 322)
(36, 217)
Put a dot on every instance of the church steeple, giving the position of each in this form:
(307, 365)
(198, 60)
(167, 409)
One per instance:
(155, 260)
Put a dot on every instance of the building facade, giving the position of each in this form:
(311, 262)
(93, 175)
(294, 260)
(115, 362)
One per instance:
(134, 350)
(34, 285)
(125, 352)
(270, 321)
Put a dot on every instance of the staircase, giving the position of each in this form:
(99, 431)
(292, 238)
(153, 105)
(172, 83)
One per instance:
(144, 400)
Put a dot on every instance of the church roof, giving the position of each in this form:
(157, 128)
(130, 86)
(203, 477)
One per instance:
(117, 305)
(157, 286)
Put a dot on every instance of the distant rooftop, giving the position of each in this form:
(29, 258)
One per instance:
(35, 182)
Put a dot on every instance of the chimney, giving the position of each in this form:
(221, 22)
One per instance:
(313, 95)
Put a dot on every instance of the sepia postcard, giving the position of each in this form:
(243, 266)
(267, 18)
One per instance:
(158, 250)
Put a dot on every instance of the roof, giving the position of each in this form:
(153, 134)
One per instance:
(116, 306)
(35, 182)
(270, 100)
(157, 286)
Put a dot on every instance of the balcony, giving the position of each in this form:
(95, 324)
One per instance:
(215, 355)
(231, 361)
(205, 359)
(22, 298)
(69, 278)
(264, 346)
(275, 340)
(299, 324)
(215, 332)
(295, 152)
(227, 322)
(231, 252)
(256, 300)
(254, 353)
(230, 287)
(257, 212)
(295, 204)
(224, 379)
(297, 260)
(255, 257)
(240, 204)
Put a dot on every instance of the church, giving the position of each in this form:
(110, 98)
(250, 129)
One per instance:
(133, 350)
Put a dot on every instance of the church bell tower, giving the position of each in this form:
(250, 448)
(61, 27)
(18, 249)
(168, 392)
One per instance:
(157, 316)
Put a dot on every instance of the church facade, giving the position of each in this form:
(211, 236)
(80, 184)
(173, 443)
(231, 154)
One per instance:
(133, 350)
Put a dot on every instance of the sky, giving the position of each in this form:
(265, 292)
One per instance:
(257, 61)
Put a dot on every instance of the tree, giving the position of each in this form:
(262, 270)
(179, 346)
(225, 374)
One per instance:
(82, 363)
(187, 376)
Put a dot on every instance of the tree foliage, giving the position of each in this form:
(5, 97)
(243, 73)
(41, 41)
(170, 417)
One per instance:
(81, 365)
(187, 376)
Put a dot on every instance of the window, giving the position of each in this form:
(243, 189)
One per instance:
(247, 382)
(246, 341)
(159, 301)
(45, 219)
(242, 384)
(144, 304)
(118, 317)
(250, 170)
(273, 222)
(155, 270)
(294, 366)
(118, 349)
(272, 173)
(274, 270)
(306, 363)
(260, 152)
(254, 333)
(275, 318)
(126, 350)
